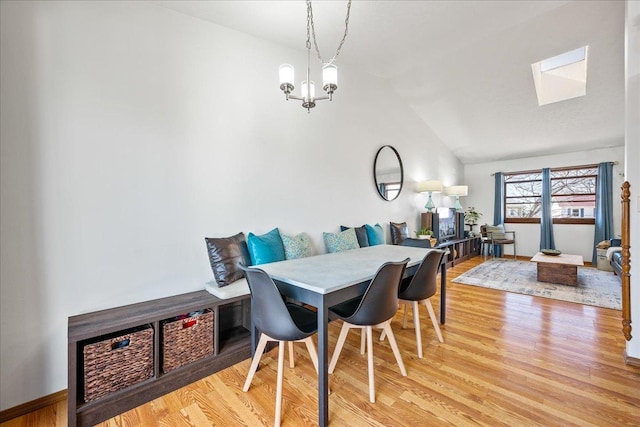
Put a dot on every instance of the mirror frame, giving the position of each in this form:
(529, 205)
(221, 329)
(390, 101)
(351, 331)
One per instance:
(375, 176)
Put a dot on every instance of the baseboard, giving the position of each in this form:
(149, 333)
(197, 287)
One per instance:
(631, 361)
(34, 405)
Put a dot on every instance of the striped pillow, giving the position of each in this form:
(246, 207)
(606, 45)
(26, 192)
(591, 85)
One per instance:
(497, 230)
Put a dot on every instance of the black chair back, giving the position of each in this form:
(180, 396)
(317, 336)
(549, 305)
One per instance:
(417, 243)
(380, 301)
(423, 284)
(268, 310)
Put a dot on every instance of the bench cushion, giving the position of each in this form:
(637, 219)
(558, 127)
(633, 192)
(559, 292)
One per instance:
(236, 289)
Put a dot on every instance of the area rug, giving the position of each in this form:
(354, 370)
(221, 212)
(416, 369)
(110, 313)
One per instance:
(595, 287)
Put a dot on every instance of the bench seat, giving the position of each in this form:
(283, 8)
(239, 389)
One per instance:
(236, 289)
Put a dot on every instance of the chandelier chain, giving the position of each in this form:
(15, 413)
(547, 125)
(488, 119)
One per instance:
(311, 27)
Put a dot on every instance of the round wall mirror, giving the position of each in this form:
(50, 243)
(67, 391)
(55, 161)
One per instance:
(388, 173)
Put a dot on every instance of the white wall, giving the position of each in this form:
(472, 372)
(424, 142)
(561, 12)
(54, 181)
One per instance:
(569, 238)
(130, 132)
(632, 156)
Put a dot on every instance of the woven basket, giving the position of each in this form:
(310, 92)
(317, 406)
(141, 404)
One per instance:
(117, 362)
(186, 339)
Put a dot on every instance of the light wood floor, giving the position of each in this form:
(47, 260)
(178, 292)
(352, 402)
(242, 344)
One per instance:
(507, 359)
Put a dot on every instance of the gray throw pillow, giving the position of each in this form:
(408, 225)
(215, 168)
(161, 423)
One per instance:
(399, 232)
(225, 253)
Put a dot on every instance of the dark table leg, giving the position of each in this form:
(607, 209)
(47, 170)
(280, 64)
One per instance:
(323, 365)
(443, 292)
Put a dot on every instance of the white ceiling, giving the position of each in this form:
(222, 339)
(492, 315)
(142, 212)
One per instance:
(464, 67)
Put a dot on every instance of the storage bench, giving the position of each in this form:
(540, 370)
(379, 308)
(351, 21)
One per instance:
(111, 384)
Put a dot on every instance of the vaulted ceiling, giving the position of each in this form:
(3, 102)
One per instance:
(464, 67)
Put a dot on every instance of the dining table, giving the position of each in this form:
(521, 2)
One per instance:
(325, 280)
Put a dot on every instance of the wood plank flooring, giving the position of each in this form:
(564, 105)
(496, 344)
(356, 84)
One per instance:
(507, 360)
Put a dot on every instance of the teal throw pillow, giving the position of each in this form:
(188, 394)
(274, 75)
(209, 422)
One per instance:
(375, 234)
(497, 231)
(298, 246)
(265, 248)
(343, 241)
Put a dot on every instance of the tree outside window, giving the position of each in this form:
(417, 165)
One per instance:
(573, 195)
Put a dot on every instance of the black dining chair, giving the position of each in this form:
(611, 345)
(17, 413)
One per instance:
(277, 321)
(416, 243)
(418, 289)
(374, 309)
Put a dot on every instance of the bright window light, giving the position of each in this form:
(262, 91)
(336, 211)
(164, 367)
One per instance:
(564, 59)
(561, 77)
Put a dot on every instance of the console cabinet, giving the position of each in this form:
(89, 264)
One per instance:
(231, 344)
(460, 250)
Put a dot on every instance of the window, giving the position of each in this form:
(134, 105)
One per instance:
(573, 195)
(562, 77)
(391, 190)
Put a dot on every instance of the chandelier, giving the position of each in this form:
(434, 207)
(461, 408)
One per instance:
(329, 70)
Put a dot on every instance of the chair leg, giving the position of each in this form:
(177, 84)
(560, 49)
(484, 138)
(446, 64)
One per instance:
(363, 337)
(313, 354)
(383, 334)
(262, 343)
(368, 332)
(372, 385)
(416, 325)
(434, 320)
(394, 345)
(279, 382)
(404, 317)
(292, 363)
(336, 353)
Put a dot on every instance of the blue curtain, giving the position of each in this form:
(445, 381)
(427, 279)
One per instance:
(546, 220)
(498, 208)
(604, 207)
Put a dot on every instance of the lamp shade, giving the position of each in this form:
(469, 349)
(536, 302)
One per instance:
(309, 93)
(286, 74)
(456, 190)
(330, 75)
(432, 186)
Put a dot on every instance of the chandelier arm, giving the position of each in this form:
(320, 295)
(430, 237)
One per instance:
(313, 32)
(302, 98)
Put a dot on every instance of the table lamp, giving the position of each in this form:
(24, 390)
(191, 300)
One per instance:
(432, 186)
(457, 191)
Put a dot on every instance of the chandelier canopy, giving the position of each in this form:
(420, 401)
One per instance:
(329, 70)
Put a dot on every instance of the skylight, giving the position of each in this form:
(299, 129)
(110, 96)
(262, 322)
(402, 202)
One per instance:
(561, 77)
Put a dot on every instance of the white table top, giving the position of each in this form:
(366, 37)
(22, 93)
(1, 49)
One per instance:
(562, 259)
(327, 273)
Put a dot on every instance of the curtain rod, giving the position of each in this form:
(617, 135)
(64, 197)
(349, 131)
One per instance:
(564, 167)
